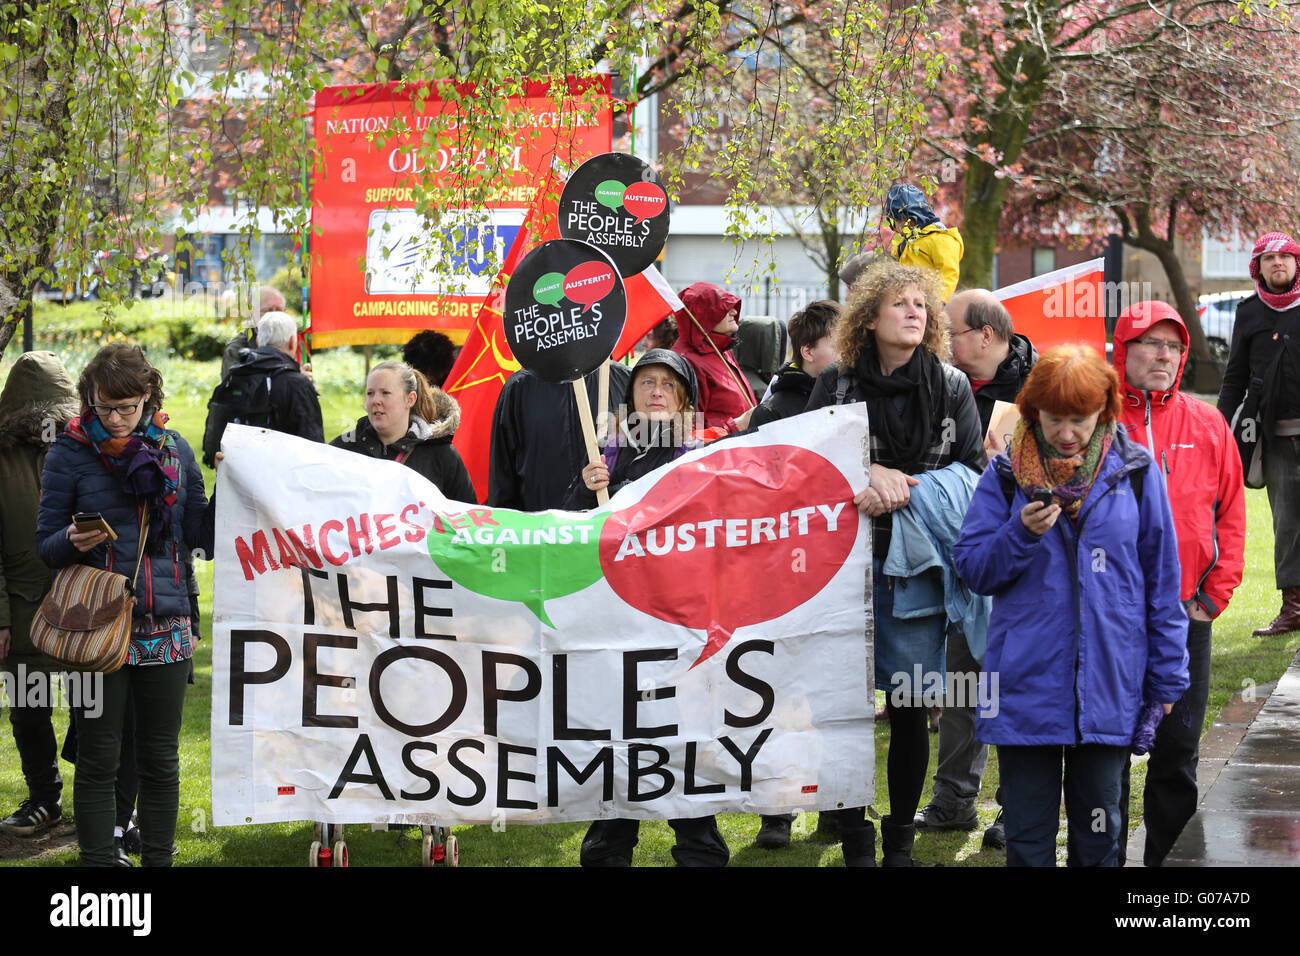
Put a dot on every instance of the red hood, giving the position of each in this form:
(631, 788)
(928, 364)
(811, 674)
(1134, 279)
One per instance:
(1132, 324)
(710, 305)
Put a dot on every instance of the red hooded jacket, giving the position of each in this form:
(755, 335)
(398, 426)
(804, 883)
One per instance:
(1191, 443)
(724, 392)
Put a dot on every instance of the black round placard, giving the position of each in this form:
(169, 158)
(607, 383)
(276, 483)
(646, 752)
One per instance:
(617, 203)
(564, 310)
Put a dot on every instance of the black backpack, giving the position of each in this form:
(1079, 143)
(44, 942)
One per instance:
(242, 398)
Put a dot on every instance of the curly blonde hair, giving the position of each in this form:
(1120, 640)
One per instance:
(868, 295)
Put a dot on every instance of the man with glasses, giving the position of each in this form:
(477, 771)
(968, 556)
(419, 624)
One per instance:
(1261, 397)
(986, 346)
(1197, 455)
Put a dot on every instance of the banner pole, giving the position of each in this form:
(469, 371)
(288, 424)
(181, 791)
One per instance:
(304, 249)
(704, 332)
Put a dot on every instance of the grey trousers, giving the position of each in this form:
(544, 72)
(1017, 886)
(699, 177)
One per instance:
(961, 757)
(1282, 479)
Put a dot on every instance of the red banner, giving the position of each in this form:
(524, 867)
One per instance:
(373, 280)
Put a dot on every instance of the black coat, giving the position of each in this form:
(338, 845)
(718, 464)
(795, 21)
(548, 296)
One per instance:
(295, 408)
(965, 445)
(965, 442)
(790, 393)
(425, 448)
(626, 464)
(537, 443)
(1258, 336)
(1008, 380)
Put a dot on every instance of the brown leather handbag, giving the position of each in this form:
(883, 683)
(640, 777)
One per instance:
(84, 623)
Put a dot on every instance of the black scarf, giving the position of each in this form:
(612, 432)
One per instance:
(903, 439)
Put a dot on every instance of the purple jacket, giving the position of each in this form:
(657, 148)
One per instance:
(1087, 621)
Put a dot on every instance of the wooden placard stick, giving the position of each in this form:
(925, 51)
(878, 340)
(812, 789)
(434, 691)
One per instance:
(588, 430)
(602, 403)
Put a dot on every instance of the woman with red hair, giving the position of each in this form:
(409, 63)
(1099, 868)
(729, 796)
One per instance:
(1070, 532)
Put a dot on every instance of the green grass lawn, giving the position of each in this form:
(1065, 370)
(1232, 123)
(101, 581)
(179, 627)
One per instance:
(1240, 662)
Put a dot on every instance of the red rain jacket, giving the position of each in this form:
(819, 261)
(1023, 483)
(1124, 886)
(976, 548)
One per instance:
(1191, 443)
(724, 392)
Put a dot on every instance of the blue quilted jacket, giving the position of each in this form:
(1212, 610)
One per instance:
(76, 480)
(1086, 619)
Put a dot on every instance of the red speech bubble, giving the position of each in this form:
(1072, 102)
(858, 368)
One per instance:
(742, 536)
(644, 200)
(587, 283)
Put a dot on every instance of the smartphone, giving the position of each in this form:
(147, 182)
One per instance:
(1042, 496)
(93, 521)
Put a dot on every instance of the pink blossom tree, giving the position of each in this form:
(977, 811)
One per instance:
(1167, 138)
(1026, 77)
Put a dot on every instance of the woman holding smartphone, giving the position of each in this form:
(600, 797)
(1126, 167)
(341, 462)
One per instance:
(118, 460)
(1070, 532)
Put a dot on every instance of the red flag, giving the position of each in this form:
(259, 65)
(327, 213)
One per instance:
(1061, 306)
(485, 361)
(650, 300)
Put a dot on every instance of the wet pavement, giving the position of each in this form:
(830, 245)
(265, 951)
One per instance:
(1250, 813)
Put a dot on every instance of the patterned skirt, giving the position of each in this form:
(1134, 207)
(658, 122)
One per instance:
(159, 640)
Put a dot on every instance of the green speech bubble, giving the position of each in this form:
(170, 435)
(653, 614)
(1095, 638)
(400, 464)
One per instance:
(549, 289)
(528, 558)
(610, 193)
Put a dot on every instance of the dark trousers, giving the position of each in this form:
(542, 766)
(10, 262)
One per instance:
(962, 758)
(1282, 479)
(33, 730)
(909, 754)
(611, 842)
(128, 785)
(1169, 799)
(158, 692)
(1031, 803)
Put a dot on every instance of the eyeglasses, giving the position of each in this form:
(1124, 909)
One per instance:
(964, 331)
(123, 411)
(1155, 345)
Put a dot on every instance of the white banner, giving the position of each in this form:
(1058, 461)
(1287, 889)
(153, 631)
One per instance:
(700, 644)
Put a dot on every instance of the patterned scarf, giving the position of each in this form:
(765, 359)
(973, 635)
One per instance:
(1037, 465)
(145, 464)
(1275, 242)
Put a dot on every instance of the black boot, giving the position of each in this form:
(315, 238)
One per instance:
(828, 828)
(859, 845)
(775, 831)
(896, 842)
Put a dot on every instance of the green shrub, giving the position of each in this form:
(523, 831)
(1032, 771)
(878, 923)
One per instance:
(198, 339)
(289, 281)
(89, 325)
(180, 333)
